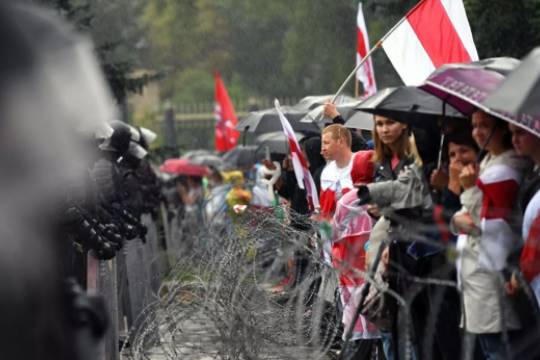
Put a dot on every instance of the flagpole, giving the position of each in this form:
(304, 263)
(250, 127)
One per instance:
(368, 55)
(356, 87)
(348, 79)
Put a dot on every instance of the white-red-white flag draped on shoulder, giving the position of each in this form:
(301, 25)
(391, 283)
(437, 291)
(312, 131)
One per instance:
(226, 135)
(365, 74)
(433, 33)
(300, 165)
(530, 255)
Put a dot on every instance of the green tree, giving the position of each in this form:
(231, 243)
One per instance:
(187, 37)
(504, 28)
(113, 26)
(257, 32)
(319, 45)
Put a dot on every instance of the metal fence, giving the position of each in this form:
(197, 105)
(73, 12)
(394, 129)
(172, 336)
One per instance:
(194, 123)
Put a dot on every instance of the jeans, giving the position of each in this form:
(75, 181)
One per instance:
(492, 346)
(365, 349)
(388, 347)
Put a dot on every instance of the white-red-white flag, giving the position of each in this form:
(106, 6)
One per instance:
(226, 135)
(365, 74)
(300, 165)
(433, 33)
(530, 255)
(499, 185)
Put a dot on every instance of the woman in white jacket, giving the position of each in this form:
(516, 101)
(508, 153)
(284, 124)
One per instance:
(486, 238)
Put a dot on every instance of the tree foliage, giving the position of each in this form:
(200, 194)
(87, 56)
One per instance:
(263, 48)
(267, 48)
(114, 27)
(504, 28)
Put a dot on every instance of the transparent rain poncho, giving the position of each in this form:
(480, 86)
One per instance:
(351, 228)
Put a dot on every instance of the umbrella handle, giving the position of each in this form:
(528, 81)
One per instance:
(244, 135)
(439, 160)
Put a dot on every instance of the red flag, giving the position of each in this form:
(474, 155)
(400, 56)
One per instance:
(365, 74)
(226, 135)
(434, 33)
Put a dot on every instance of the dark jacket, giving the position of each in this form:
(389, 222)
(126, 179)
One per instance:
(358, 143)
(528, 188)
(410, 255)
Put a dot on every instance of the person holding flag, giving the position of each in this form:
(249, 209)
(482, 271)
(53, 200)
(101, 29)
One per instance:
(304, 199)
(287, 188)
(299, 162)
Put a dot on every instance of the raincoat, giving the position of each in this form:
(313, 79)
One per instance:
(491, 206)
(351, 228)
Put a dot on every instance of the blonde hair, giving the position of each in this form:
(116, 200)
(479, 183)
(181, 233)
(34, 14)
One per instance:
(339, 132)
(406, 147)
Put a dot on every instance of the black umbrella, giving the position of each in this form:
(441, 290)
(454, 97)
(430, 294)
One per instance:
(207, 160)
(203, 157)
(519, 93)
(312, 102)
(191, 154)
(360, 120)
(409, 105)
(265, 121)
(275, 142)
(417, 108)
(315, 104)
(242, 157)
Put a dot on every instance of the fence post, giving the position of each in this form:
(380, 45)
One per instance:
(92, 284)
(169, 128)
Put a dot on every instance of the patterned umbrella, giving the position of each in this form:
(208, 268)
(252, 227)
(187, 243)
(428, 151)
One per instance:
(183, 167)
(467, 86)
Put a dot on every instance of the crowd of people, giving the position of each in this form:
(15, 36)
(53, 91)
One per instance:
(430, 239)
(430, 260)
(433, 259)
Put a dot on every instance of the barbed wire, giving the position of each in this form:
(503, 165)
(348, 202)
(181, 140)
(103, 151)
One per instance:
(222, 298)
